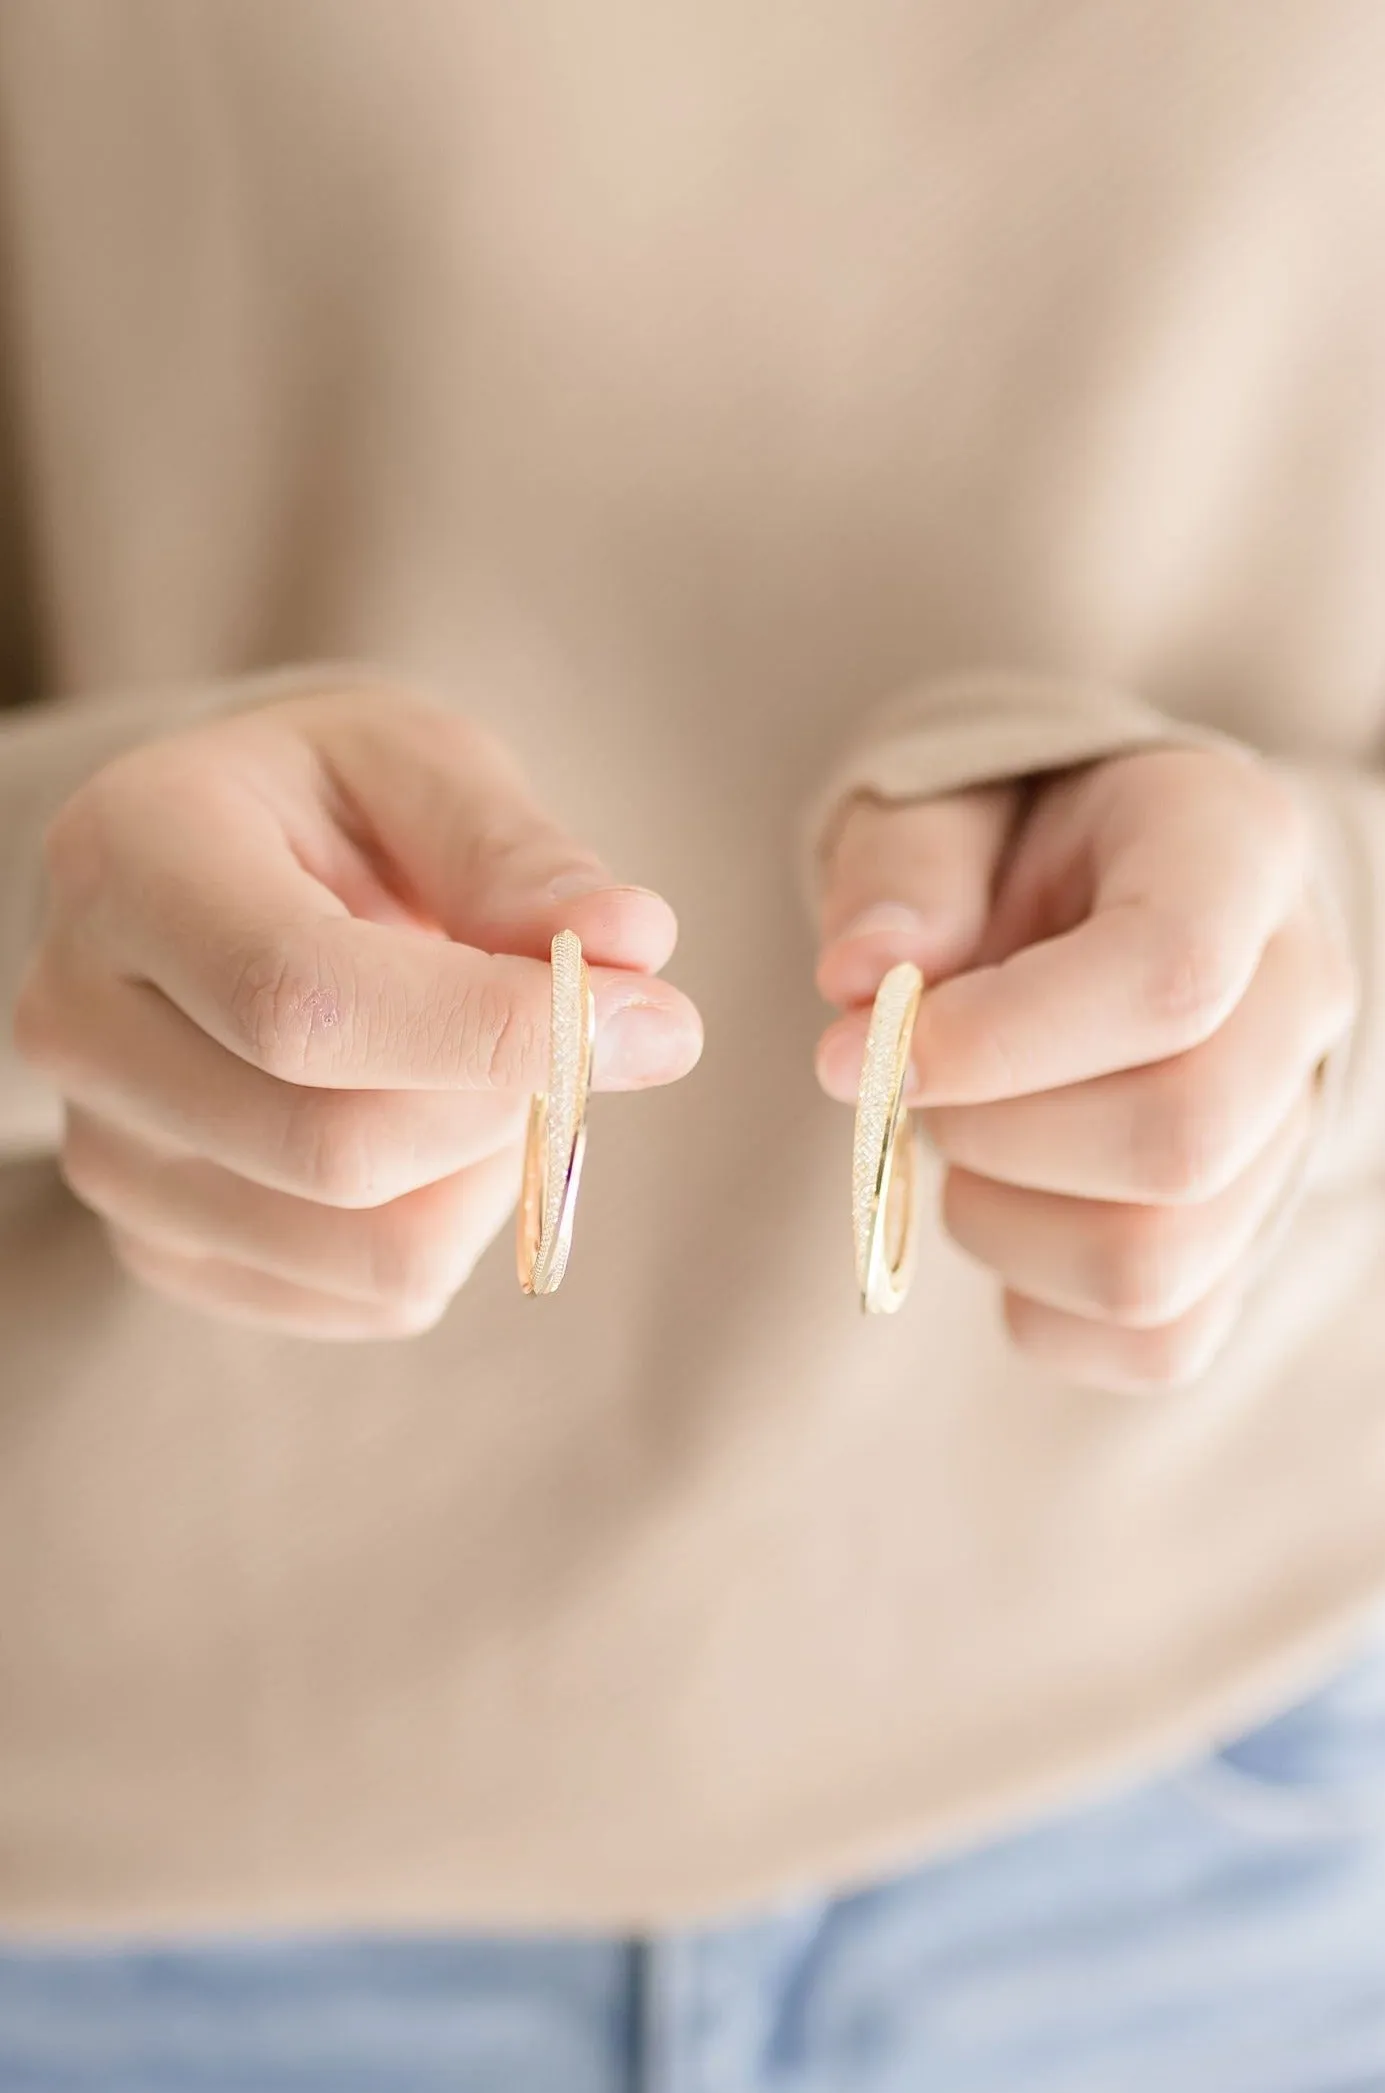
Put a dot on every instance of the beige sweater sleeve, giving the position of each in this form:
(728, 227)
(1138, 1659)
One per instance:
(974, 730)
(960, 731)
(47, 750)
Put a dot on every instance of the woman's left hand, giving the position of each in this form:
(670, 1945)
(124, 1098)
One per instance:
(1135, 988)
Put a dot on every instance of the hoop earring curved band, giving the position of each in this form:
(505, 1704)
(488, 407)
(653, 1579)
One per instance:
(556, 1138)
(884, 1157)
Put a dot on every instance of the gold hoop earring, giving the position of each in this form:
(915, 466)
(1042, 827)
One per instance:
(556, 1138)
(884, 1156)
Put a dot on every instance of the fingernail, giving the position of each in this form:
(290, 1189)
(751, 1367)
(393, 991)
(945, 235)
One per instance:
(852, 964)
(620, 890)
(594, 880)
(884, 919)
(642, 1042)
(583, 879)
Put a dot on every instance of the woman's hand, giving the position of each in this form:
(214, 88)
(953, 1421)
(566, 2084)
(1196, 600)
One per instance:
(296, 1079)
(1136, 990)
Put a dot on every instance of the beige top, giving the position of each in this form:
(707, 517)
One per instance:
(673, 387)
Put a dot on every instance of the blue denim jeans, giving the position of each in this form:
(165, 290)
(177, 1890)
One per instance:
(1219, 1931)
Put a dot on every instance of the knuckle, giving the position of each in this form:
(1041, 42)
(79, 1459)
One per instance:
(955, 1210)
(1173, 1355)
(169, 1277)
(416, 1318)
(507, 850)
(140, 1258)
(76, 842)
(335, 1152)
(1140, 1267)
(128, 1252)
(1023, 1320)
(1185, 1146)
(997, 1050)
(1168, 1356)
(482, 749)
(278, 1007)
(1188, 977)
(37, 1028)
(411, 1262)
(81, 1165)
(500, 1038)
(489, 850)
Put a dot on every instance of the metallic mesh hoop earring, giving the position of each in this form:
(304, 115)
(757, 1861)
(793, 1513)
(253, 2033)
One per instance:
(884, 1156)
(556, 1138)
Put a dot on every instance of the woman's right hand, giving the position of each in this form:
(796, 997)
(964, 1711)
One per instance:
(292, 990)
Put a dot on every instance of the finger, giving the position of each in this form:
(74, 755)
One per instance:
(1136, 1266)
(124, 1053)
(910, 881)
(416, 1251)
(1098, 1354)
(268, 963)
(1192, 870)
(1186, 1127)
(233, 1293)
(444, 810)
(203, 879)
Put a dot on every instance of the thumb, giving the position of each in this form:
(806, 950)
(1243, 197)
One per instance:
(912, 881)
(459, 834)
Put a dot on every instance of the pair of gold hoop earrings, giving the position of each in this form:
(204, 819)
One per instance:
(884, 1156)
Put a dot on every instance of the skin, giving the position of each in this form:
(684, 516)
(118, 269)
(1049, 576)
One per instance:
(295, 1078)
(1132, 988)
